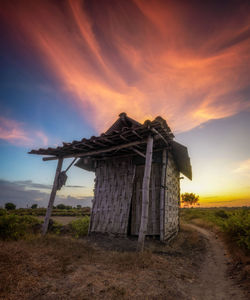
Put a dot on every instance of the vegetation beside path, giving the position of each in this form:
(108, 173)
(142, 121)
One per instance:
(234, 223)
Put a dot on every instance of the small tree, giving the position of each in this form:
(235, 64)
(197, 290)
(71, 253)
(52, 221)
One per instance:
(78, 206)
(34, 206)
(61, 206)
(10, 206)
(190, 199)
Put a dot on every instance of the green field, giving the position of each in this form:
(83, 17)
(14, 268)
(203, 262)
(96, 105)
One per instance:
(73, 212)
(234, 223)
(24, 223)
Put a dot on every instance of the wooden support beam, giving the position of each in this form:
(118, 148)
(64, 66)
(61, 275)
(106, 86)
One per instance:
(77, 148)
(95, 152)
(138, 152)
(145, 194)
(162, 193)
(158, 133)
(87, 145)
(123, 138)
(99, 143)
(70, 165)
(135, 133)
(52, 197)
(107, 140)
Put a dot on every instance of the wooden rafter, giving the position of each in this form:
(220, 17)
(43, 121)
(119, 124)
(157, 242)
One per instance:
(138, 152)
(158, 133)
(95, 152)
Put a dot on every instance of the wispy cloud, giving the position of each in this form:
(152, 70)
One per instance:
(29, 184)
(12, 131)
(25, 193)
(18, 133)
(243, 167)
(182, 61)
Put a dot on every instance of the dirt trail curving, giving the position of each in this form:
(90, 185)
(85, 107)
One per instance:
(214, 283)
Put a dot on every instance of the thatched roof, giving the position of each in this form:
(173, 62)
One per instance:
(125, 137)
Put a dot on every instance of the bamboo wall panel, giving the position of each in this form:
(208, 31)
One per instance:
(154, 201)
(113, 192)
(172, 198)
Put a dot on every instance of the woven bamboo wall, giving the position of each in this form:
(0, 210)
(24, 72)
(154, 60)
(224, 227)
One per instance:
(154, 201)
(113, 192)
(172, 198)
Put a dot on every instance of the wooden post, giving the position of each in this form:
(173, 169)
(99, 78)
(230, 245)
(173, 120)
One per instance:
(162, 194)
(145, 195)
(52, 196)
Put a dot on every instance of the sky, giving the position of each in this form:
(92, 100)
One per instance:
(68, 68)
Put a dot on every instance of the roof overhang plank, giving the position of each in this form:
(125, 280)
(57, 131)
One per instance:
(95, 152)
(86, 163)
(182, 159)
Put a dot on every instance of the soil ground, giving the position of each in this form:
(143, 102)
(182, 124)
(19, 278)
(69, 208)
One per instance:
(193, 266)
(215, 281)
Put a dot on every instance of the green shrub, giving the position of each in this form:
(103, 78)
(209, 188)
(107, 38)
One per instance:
(10, 206)
(221, 214)
(54, 227)
(234, 222)
(237, 227)
(3, 212)
(79, 227)
(13, 227)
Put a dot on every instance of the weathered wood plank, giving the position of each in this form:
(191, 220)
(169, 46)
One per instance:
(145, 194)
(162, 193)
(113, 192)
(171, 199)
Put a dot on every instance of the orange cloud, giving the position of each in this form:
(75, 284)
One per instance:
(15, 133)
(147, 58)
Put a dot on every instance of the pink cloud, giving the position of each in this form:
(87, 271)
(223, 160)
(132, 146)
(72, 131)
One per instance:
(17, 133)
(148, 58)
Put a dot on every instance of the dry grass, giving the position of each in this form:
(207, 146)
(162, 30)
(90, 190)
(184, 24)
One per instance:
(61, 219)
(65, 268)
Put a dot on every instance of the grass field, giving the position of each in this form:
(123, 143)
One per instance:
(234, 223)
(73, 212)
(64, 220)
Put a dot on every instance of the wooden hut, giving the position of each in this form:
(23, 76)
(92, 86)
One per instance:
(137, 184)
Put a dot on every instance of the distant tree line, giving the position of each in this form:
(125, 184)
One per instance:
(12, 206)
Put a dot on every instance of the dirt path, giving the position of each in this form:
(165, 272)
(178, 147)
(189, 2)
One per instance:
(214, 282)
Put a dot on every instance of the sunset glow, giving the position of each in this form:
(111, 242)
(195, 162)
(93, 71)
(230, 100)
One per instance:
(187, 61)
(160, 66)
